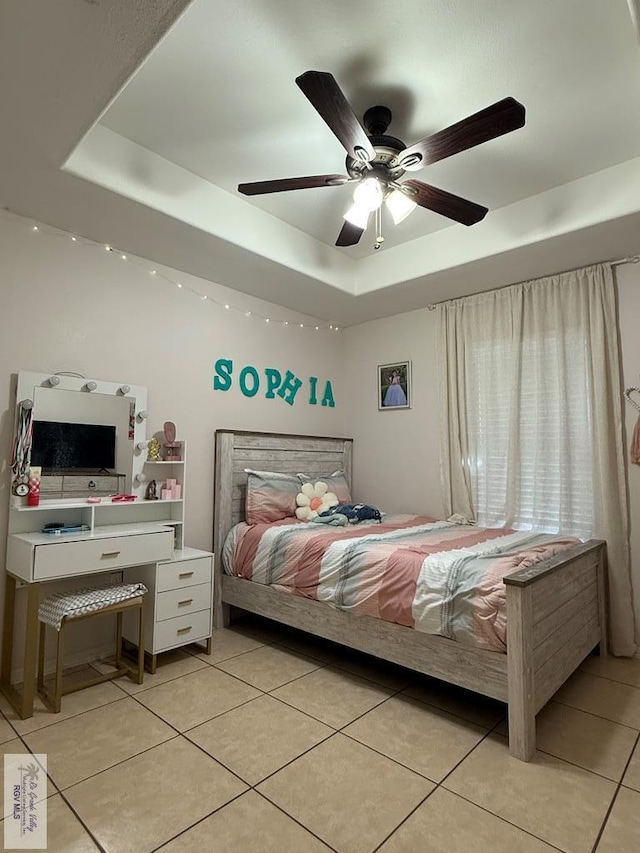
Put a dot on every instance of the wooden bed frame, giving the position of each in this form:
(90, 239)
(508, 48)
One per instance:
(556, 610)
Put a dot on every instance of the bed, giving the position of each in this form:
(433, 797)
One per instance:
(555, 609)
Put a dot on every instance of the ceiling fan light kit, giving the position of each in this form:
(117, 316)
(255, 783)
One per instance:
(399, 205)
(376, 161)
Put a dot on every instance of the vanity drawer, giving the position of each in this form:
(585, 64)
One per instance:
(178, 602)
(184, 573)
(64, 559)
(182, 630)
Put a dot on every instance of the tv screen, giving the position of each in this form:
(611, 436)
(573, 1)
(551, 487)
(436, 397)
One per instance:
(62, 447)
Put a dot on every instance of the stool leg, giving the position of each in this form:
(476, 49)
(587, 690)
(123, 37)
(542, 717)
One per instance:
(119, 640)
(141, 644)
(41, 649)
(57, 699)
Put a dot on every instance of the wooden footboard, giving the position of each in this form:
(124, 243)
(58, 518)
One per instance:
(556, 615)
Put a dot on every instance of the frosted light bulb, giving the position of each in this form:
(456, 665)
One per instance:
(399, 205)
(368, 194)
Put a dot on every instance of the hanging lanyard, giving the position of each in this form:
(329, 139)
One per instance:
(21, 456)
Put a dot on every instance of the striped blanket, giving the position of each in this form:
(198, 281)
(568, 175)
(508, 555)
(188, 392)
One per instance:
(434, 576)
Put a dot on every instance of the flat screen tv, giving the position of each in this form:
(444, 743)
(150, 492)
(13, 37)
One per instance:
(58, 446)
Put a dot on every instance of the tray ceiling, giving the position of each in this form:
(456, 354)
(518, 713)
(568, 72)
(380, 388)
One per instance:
(210, 101)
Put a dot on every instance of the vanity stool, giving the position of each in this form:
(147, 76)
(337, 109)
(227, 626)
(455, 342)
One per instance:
(63, 607)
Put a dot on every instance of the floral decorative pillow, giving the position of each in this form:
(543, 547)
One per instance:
(314, 499)
(336, 483)
(271, 496)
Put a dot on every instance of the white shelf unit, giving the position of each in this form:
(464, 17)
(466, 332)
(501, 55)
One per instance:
(171, 510)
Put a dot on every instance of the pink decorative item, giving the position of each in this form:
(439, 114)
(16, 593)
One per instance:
(177, 491)
(33, 499)
(172, 447)
(165, 495)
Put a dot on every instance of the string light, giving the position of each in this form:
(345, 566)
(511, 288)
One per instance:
(107, 247)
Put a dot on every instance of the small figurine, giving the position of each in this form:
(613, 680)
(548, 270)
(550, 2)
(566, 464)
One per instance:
(153, 450)
(150, 493)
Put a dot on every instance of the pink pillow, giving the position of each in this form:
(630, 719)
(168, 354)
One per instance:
(271, 496)
(336, 482)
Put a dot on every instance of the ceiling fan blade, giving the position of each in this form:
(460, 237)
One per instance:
(279, 186)
(496, 120)
(327, 97)
(445, 203)
(349, 235)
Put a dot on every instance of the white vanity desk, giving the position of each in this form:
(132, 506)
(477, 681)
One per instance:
(138, 538)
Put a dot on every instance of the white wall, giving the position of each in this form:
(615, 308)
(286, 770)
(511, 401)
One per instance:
(69, 306)
(396, 451)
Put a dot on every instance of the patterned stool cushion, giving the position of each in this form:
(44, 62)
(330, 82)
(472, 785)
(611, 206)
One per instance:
(79, 602)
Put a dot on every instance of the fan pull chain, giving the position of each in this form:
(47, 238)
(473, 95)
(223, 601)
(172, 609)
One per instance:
(378, 223)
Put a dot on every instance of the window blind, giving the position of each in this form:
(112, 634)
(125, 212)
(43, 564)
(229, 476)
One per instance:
(529, 433)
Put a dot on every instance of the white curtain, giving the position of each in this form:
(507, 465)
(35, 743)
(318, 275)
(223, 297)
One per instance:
(531, 417)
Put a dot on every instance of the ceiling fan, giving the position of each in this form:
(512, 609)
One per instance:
(376, 161)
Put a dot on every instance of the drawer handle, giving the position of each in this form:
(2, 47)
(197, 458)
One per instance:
(184, 630)
(186, 601)
(185, 575)
(111, 553)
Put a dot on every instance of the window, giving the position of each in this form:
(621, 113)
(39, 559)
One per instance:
(530, 433)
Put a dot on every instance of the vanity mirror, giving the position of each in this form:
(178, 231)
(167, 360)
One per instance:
(84, 433)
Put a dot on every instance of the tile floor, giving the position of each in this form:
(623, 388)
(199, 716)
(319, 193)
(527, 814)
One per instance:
(278, 743)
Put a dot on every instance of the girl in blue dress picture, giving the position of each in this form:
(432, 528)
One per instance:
(395, 395)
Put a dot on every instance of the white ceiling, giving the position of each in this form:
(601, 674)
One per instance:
(215, 104)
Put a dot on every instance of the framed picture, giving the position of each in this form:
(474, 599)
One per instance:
(394, 386)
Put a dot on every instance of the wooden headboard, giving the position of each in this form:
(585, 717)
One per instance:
(236, 450)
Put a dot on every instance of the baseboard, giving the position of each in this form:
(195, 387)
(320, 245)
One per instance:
(78, 659)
